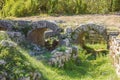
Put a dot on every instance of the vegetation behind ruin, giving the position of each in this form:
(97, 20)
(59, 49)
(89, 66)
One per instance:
(33, 7)
(22, 59)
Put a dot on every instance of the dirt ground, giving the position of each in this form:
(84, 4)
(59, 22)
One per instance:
(112, 22)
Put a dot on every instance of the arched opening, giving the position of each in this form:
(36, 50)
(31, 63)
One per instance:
(91, 34)
(43, 34)
(43, 37)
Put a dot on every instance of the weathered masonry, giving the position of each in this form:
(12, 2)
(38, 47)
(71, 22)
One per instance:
(90, 28)
(115, 51)
(36, 32)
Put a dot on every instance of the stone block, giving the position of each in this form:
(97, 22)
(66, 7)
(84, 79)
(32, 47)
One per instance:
(75, 50)
(64, 42)
(68, 30)
(7, 43)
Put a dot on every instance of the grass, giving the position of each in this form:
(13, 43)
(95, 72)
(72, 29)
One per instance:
(82, 69)
(20, 63)
(97, 46)
(53, 7)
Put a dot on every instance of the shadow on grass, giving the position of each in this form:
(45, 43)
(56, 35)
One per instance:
(95, 53)
(85, 64)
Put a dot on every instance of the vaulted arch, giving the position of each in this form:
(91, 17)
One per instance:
(37, 33)
(80, 31)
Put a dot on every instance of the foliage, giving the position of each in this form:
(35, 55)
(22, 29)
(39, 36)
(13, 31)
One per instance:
(116, 5)
(32, 7)
(62, 48)
(2, 2)
(20, 7)
(85, 69)
(19, 64)
(3, 36)
(16, 66)
(82, 69)
(97, 46)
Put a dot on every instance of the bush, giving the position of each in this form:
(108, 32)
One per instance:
(32, 7)
(16, 66)
(20, 7)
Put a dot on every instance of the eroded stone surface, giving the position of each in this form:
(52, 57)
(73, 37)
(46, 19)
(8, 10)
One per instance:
(7, 43)
(115, 52)
(60, 57)
(78, 33)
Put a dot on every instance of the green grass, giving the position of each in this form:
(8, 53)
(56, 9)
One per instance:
(97, 46)
(20, 63)
(82, 69)
(3, 36)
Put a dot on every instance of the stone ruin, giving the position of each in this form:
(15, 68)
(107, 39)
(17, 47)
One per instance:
(37, 31)
(90, 28)
(115, 51)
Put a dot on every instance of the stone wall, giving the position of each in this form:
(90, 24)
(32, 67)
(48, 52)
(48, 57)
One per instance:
(115, 52)
(59, 57)
(34, 31)
(37, 31)
(80, 32)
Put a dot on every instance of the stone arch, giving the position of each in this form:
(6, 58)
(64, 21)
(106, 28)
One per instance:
(37, 33)
(79, 32)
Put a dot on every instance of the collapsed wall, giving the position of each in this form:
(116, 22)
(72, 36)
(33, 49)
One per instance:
(37, 31)
(115, 52)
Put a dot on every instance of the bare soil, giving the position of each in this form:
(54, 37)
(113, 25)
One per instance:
(112, 22)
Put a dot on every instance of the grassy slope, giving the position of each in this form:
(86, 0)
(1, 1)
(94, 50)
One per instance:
(99, 69)
(20, 62)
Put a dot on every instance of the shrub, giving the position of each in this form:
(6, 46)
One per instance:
(32, 7)
(16, 66)
(20, 7)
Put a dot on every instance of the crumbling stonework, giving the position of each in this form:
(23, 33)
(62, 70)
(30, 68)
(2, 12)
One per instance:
(79, 32)
(36, 32)
(16, 37)
(115, 52)
(60, 57)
